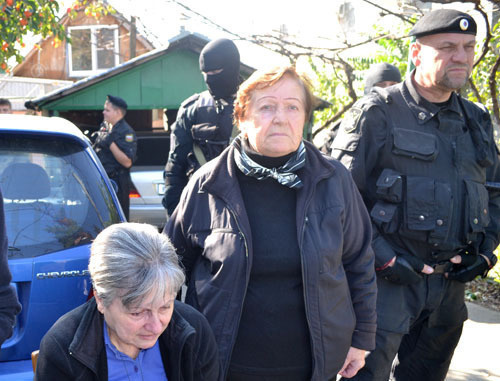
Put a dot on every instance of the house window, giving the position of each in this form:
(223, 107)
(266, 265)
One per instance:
(94, 49)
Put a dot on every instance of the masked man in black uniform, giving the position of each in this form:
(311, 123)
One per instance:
(116, 146)
(379, 75)
(422, 157)
(204, 123)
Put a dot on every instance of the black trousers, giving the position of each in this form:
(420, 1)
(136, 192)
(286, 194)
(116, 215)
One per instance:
(122, 179)
(419, 328)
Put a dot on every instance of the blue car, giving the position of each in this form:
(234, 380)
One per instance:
(57, 198)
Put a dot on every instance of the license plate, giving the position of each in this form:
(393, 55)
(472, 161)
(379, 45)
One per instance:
(160, 188)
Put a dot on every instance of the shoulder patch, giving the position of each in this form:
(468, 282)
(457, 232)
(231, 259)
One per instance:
(129, 138)
(351, 119)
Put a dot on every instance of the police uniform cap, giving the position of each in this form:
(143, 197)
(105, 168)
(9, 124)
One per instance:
(117, 101)
(444, 21)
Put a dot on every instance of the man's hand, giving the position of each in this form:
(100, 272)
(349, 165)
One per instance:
(405, 269)
(468, 266)
(354, 361)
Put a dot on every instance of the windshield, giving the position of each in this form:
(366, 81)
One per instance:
(54, 196)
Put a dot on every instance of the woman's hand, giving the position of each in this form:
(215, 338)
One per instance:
(354, 361)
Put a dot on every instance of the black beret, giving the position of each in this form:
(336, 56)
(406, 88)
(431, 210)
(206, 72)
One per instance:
(117, 101)
(444, 21)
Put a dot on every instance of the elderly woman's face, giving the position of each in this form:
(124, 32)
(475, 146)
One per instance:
(275, 118)
(137, 327)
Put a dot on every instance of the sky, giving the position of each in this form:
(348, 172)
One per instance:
(312, 22)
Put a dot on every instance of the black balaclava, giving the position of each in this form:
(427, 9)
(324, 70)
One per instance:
(221, 54)
(379, 73)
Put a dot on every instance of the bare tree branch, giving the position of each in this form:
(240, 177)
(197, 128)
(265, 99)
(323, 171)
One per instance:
(486, 44)
(334, 118)
(475, 90)
(493, 90)
(398, 15)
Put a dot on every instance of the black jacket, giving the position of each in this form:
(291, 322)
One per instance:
(202, 121)
(417, 167)
(74, 348)
(211, 233)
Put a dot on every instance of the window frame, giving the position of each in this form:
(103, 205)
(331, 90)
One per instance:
(93, 49)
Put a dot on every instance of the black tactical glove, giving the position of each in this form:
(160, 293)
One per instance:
(406, 270)
(471, 266)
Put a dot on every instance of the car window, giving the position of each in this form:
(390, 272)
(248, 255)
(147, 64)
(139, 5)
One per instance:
(152, 150)
(54, 196)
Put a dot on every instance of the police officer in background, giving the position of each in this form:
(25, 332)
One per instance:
(422, 157)
(204, 124)
(116, 146)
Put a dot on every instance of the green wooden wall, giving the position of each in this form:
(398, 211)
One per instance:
(163, 82)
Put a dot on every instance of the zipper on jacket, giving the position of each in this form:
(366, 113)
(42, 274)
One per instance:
(304, 225)
(247, 275)
(305, 220)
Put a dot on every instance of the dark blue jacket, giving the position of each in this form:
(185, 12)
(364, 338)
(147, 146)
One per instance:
(202, 121)
(211, 232)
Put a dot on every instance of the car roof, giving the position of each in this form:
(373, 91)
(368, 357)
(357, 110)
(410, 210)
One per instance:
(40, 125)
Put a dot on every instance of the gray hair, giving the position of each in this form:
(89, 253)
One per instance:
(131, 260)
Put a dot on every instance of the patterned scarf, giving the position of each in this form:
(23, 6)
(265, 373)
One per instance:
(284, 174)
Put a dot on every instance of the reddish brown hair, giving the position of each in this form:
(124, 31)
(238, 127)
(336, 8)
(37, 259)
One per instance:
(265, 78)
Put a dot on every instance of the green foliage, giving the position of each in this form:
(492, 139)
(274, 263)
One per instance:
(330, 85)
(481, 73)
(495, 271)
(331, 79)
(17, 18)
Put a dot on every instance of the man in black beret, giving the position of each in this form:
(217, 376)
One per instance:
(204, 123)
(422, 157)
(116, 146)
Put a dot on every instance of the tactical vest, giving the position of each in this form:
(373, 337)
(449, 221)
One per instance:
(430, 183)
(212, 127)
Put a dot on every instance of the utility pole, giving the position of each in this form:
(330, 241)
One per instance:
(132, 37)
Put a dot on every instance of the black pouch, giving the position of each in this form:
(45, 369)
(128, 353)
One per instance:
(385, 215)
(390, 186)
(414, 144)
(477, 216)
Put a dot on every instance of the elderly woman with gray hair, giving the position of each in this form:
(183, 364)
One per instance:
(133, 328)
